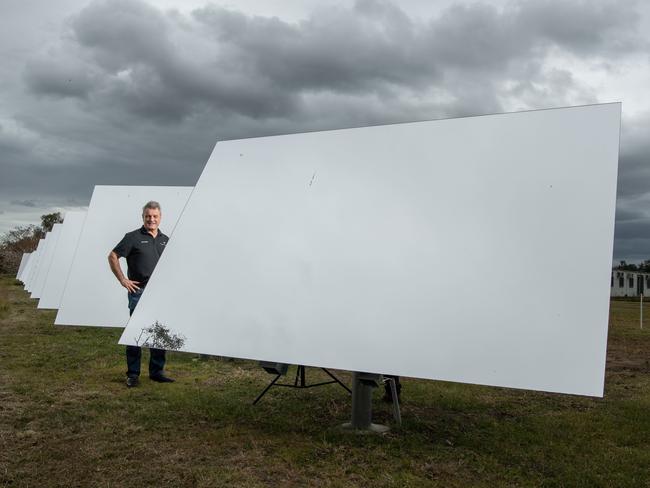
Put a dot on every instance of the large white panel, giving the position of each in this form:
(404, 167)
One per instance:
(23, 262)
(92, 295)
(33, 271)
(62, 260)
(24, 274)
(28, 267)
(46, 260)
(451, 250)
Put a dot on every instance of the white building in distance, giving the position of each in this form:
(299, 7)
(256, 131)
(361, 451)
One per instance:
(626, 283)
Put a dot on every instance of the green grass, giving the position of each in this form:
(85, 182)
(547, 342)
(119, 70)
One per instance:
(66, 419)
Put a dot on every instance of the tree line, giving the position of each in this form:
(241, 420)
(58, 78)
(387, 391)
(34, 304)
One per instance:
(643, 267)
(22, 239)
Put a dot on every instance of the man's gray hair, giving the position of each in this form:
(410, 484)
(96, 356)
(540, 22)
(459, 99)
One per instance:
(152, 205)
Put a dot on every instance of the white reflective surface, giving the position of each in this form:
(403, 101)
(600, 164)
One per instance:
(45, 262)
(27, 272)
(23, 263)
(32, 272)
(62, 260)
(451, 250)
(92, 295)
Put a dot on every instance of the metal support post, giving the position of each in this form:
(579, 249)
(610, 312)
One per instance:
(397, 414)
(362, 388)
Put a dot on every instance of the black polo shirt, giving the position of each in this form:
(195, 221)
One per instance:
(142, 252)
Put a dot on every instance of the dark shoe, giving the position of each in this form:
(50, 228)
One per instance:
(132, 381)
(161, 378)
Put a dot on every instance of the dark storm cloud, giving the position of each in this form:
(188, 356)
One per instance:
(634, 165)
(156, 78)
(633, 194)
(12, 144)
(583, 27)
(336, 50)
(134, 94)
(24, 203)
(167, 67)
(634, 173)
(122, 32)
(476, 38)
(58, 77)
(631, 250)
(634, 229)
(628, 214)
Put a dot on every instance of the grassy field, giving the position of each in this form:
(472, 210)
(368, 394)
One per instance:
(66, 419)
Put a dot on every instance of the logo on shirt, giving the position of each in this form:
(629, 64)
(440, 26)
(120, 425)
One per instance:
(144, 242)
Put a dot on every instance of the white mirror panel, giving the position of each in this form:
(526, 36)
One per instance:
(23, 263)
(450, 250)
(92, 295)
(46, 260)
(28, 268)
(62, 260)
(33, 271)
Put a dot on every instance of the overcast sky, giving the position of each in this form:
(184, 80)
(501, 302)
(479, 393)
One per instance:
(138, 92)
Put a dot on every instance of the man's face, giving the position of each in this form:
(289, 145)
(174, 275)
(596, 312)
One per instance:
(151, 219)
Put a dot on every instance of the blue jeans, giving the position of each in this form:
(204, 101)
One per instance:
(134, 353)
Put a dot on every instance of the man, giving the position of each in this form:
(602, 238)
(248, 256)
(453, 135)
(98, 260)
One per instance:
(141, 249)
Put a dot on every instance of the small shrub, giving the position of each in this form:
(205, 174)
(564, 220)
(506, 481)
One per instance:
(158, 336)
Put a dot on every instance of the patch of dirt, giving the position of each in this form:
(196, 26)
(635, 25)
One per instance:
(626, 355)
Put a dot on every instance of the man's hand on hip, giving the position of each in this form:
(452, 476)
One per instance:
(130, 285)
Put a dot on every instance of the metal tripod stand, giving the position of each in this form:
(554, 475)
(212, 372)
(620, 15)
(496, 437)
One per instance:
(301, 382)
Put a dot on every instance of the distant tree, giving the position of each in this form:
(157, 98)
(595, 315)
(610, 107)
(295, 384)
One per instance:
(645, 266)
(48, 220)
(22, 239)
